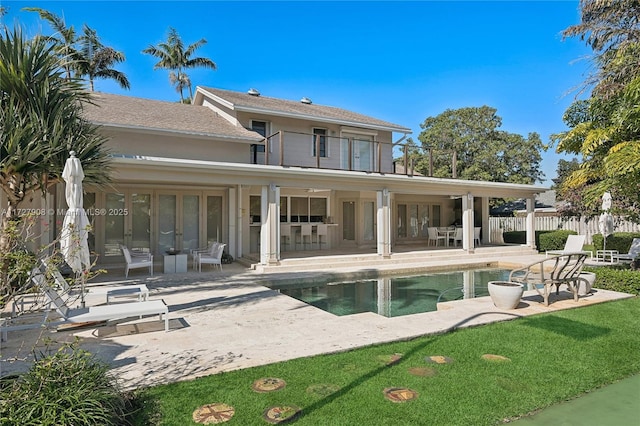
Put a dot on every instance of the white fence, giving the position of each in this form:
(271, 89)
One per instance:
(582, 226)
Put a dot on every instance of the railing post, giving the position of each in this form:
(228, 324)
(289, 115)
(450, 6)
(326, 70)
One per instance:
(379, 157)
(280, 134)
(350, 140)
(406, 159)
(430, 162)
(266, 151)
(317, 142)
(455, 164)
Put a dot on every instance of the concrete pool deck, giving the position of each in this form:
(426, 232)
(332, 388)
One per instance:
(222, 321)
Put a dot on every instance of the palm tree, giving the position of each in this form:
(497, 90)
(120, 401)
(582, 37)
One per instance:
(174, 57)
(41, 120)
(181, 81)
(65, 37)
(95, 60)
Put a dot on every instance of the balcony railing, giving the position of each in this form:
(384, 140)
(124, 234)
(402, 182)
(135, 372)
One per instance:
(297, 149)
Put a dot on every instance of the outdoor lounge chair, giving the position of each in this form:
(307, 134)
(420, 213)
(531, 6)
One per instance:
(212, 258)
(140, 290)
(573, 244)
(203, 250)
(144, 260)
(102, 312)
(634, 251)
(554, 271)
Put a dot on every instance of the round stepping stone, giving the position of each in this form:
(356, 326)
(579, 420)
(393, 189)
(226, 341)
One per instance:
(495, 358)
(268, 384)
(400, 394)
(322, 389)
(423, 371)
(439, 359)
(281, 413)
(213, 413)
(390, 359)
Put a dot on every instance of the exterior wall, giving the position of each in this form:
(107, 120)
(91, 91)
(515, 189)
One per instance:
(298, 142)
(193, 148)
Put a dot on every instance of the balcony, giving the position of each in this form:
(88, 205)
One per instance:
(296, 149)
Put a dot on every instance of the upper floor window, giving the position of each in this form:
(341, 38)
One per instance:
(319, 140)
(257, 150)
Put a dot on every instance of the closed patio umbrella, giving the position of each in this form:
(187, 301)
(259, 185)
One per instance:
(605, 222)
(75, 227)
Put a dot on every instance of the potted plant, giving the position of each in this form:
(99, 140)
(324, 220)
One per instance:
(505, 294)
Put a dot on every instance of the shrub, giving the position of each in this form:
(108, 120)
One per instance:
(617, 279)
(554, 240)
(620, 241)
(520, 237)
(70, 387)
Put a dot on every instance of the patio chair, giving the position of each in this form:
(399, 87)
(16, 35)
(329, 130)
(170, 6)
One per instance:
(554, 271)
(457, 237)
(102, 312)
(140, 290)
(573, 244)
(476, 235)
(634, 251)
(213, 258)
(142, 260)
(210, 249)
(434, 235)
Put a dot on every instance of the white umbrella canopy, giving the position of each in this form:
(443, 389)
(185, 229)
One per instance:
(75, 227)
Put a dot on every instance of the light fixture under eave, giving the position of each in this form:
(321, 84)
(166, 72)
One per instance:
(317, 190)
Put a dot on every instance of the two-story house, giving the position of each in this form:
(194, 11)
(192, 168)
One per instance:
(265, 175)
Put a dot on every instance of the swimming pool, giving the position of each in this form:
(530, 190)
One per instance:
(394, 296)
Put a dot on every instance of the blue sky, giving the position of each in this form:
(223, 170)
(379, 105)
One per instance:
(397, 61)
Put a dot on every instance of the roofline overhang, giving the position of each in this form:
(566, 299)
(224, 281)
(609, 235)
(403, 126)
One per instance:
(242, 108)
(157, 130)
(266, 111)
(299, 177)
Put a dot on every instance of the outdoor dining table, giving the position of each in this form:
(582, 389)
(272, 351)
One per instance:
(448, 233)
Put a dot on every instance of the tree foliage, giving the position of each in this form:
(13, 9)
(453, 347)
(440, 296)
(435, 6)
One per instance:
(173, 56)
(41, 121)
(483, 151)
(605, 128)
(84, 55)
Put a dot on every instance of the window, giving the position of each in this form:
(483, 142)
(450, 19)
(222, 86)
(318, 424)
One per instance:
(257, 150)
(255, 209)
(304, 209)
(320, 134)
(414, 219)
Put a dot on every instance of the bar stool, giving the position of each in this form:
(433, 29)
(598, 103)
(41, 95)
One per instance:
(285, 234)
(305, 231)
(321, 233)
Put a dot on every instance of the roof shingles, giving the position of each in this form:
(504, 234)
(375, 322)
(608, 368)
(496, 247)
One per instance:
(125, 111)
(274, 105)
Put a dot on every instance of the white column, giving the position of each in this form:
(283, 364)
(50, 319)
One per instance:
(270, 224)
(264, 225)
(467, 223)
(486, 237)
(531, 223)
(233, 220)
(239, 252)
(383, 237)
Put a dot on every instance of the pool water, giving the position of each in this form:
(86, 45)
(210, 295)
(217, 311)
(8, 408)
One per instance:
(395, 295)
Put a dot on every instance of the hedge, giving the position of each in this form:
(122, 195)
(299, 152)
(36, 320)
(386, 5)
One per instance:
(620, 241)
(520, 237)
(554, 240)
(616, 279)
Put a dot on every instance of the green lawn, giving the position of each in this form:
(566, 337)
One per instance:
(553, 357)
